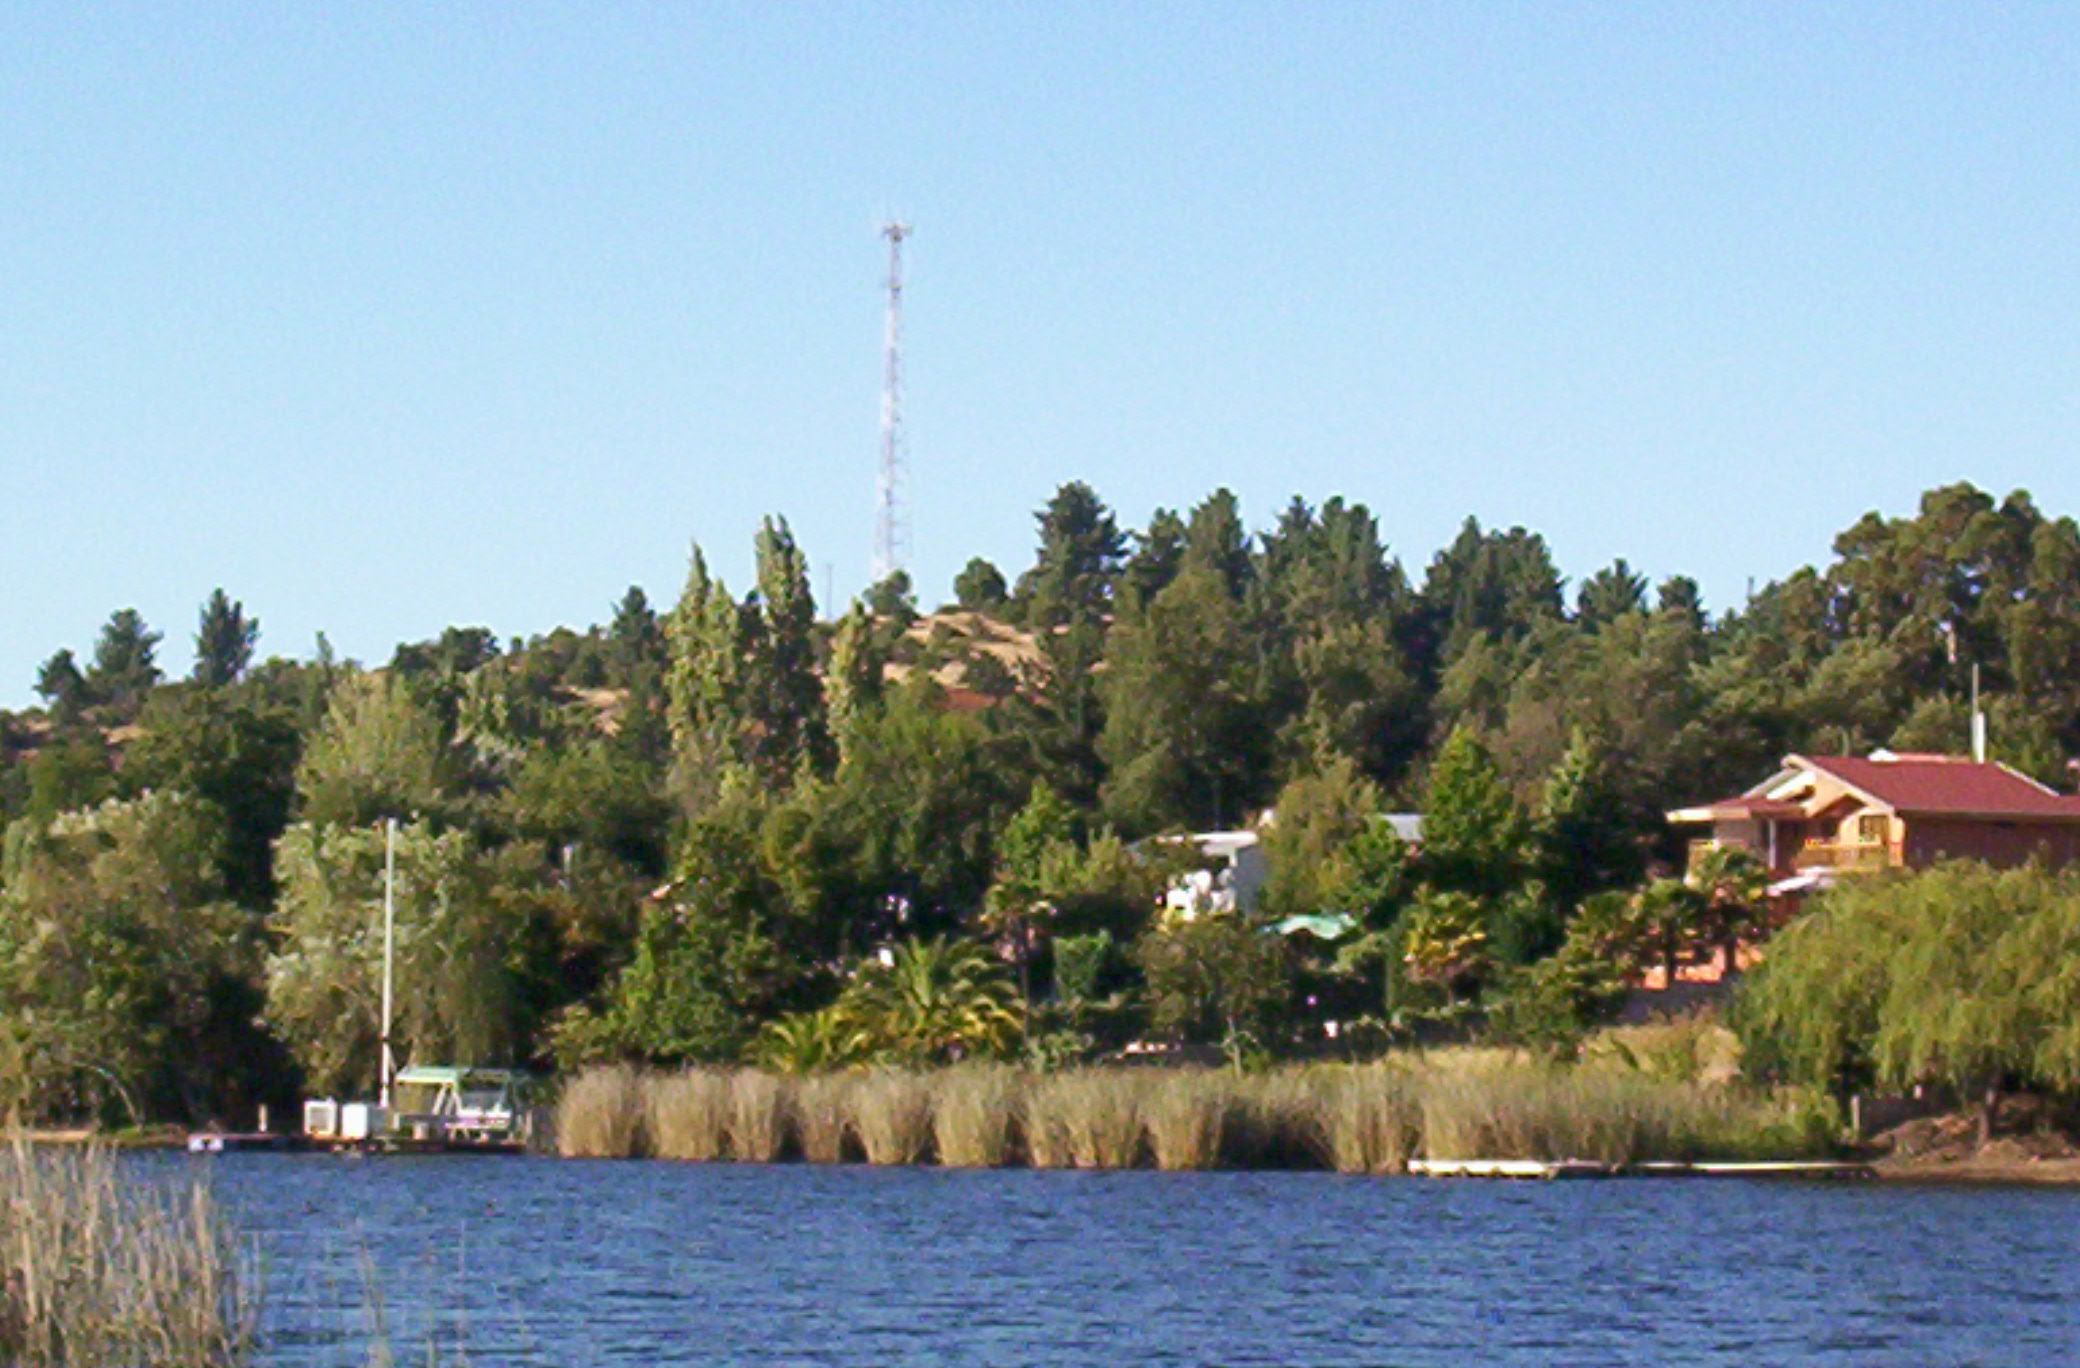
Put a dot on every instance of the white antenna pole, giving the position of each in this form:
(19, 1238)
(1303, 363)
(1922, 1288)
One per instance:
(891, 530)
(1978, 720)
(389, 950)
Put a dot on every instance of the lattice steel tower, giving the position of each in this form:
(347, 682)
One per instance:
(892, 514)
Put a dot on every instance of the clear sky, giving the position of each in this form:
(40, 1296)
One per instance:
(389, 317)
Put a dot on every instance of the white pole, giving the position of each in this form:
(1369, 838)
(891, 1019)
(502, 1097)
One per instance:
(389, 942)
(1978, 721)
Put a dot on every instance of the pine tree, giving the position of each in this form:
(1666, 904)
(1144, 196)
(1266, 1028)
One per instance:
(1474, 834)
(124, 670)
(224, 640)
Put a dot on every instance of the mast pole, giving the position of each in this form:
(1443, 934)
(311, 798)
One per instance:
(389, 950)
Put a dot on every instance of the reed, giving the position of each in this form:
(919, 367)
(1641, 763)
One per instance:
(1099, 1111)
(819, 1117)
(1043, 1120)
(1369, 1117)
(101, 1269)
(600, 1114)
(1186, 1116)
(891, 1112)
(757, 1116)
(972, 1110)
(689, 1114)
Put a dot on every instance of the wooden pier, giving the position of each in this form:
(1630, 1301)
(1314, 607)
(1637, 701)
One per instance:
(1549, 1169)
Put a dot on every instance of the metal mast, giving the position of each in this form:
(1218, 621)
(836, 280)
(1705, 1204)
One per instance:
(891, 520)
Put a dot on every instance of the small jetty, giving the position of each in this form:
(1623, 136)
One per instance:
(1549, 1169)
(231, 1142)
(1509, 1168)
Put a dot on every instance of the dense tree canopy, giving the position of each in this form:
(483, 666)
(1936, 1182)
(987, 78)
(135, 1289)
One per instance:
(653, 836)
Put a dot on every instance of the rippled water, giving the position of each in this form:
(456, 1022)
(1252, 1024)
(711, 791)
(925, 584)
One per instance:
(538, 1261)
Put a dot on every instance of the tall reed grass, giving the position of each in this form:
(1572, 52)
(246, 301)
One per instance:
(1090, 1116)
(600, 1114)
(972, 1111)
(689, 1114)
(757, 1117)
(1372, 1118)
(819, 1117)
(101, 1269)
(891, 1112)
(1185, 1115)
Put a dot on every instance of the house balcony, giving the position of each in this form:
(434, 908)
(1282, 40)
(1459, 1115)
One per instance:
(1848, 857)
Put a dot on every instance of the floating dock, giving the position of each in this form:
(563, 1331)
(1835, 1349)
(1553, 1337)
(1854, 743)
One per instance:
(1509, 1168)
(1547, 1169)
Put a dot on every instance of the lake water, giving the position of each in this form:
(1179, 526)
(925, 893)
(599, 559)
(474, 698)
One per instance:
(574, 1264)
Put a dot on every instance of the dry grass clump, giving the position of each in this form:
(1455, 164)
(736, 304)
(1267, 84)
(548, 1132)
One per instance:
(1185, 1114)
(891, 1113)
(688, 1114)
(757, 1116)
(819, 1117)
(1095, 1114)
(972, 1108)
(95, 1270)
(1043, 1119)
(600, 1114)
(1527, 1111)
(1370, 1117)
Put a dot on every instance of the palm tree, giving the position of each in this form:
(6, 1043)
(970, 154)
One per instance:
(936, 1000)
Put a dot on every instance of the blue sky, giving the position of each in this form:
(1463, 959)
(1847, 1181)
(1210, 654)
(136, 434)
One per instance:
(389, 317)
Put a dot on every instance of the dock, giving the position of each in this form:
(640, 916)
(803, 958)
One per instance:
(1542, 1169)
(1548, 1169)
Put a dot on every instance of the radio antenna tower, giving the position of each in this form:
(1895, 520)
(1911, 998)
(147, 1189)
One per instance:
(892, 519)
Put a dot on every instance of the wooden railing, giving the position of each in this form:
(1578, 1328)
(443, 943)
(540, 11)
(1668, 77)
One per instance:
(1848, 857)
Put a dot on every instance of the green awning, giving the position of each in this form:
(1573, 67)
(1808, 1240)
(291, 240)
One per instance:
(1322, 925)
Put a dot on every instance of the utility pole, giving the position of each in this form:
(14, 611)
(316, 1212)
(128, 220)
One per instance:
(389, 941)
(891, 522)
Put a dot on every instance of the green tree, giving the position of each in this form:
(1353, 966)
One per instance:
(1610, 594)
(125, 975)
(458, 997)
(980, 587)
(379, 753)
(1475, 836)
(62, 685)
(224, 638)
(124, 668)
(933, 1002)
(1586, 839)
(1317, 818)
(1183, 737)
(1215, 979)
(1079, 558)
(238, 752)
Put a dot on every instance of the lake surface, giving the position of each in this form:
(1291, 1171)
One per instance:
(574, 1264)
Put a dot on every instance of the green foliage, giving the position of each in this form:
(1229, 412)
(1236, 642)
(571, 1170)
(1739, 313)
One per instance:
(980, 586)
(1958, 975)
(224, 639)
(1183, 733)
(378, 754)
(1445, 942)
(1214, 979)
(1475, 837)
(235, 749)
(122, 965)
(1319, 816)
(459, 994)
(124, 668)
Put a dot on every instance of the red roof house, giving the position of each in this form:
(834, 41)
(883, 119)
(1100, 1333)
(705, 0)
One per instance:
(1820, 817)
